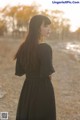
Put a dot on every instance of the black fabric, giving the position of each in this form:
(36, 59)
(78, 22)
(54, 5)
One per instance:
(37, 99)
(46, 67)
(19, 70)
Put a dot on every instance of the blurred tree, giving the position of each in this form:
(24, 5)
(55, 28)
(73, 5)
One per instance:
(77, 32)
(17, 17)
(45, 12)
(10, 13)
(2, 27)
(56, 16)
(65, 28)
(60, 25)
(23, 15)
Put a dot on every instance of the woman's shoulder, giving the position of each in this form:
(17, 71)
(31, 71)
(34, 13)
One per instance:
(44, 47)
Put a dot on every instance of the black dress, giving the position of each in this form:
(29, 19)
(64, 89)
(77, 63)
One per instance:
(37, 100)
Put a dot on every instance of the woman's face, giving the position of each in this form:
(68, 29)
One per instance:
(45, 30)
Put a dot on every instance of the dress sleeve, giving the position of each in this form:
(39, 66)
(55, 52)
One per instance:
(46, 66)
(18, 69)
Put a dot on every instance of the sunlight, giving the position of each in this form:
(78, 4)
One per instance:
(71, 10)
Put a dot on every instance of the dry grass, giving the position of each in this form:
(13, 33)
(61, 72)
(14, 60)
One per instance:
(66, 81)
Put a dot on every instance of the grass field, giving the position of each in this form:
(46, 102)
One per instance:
(66, 81)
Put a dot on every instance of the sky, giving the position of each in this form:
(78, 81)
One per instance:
(71, 10)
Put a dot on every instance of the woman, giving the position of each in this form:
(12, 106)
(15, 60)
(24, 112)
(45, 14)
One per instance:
(34, 59)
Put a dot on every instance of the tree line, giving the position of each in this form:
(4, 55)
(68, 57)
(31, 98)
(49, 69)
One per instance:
(14, 21)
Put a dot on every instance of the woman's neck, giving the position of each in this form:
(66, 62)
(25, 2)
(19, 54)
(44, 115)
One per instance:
(42, 40)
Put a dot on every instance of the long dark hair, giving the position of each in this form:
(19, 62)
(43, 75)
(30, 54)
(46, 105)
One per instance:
(27, 52)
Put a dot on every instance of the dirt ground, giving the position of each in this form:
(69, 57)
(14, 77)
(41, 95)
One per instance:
(66, 81)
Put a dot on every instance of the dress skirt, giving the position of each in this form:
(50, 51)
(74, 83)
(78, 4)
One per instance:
(37, 100)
